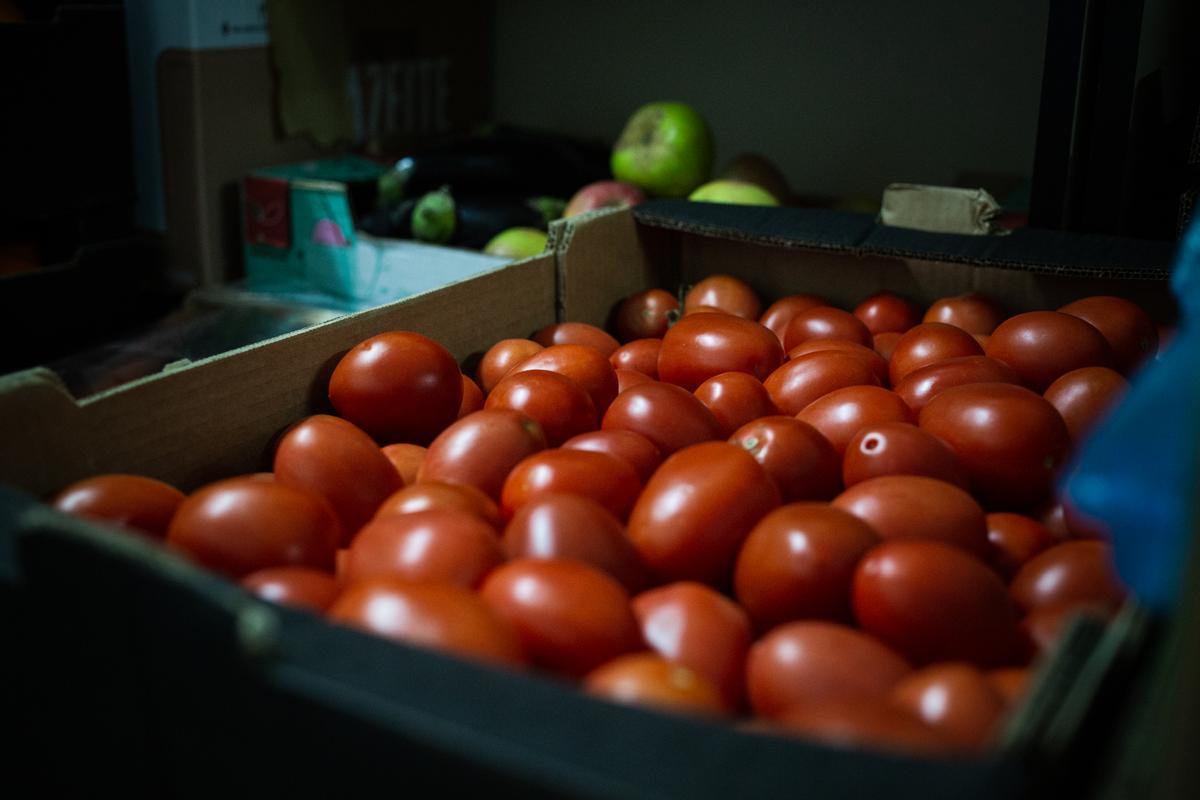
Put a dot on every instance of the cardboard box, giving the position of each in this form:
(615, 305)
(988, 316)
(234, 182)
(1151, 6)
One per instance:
(167, 666)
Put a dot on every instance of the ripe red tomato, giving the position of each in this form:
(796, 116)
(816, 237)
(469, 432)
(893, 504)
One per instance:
(555, 402)
(441, 616)
(703, 345)
(648, 679)
(130, 502)
(610, 481)
(935, 602)
(1042, 628)
(1042, 345)
(690, 624)
(645, 315)
(1083, 397)
(472, 398)
(1010, 439)
(798, 562)
(885, 344)
(785, 309)
(582, 364)
(698, 507)
(406, 458)
(843, 412)
(640, 355)
(876, 362)
(898, 448)
(1010, 682)
(854, 724)
(806, 378)
(628, 378)
(1079, 525)
(1076, 573)
(954, 698)
(929, 343)
(242, 525)
(501, 357)
(922, 385)
(441, 544)
(334, 459)
(429, 495)
(669, 416)
(1130, 332)
(301, 587)
(727, 293)
(706, 310)
(340, 559)
(916, 507)
(825, 322)
(577, 333)
(398, 387)
(734, 398)
(639, 451)
(578, 527)
(885, 312)
(974, 313)
(570, 617)
(803, 664)
(797, 458)
(481, 448)
(1015, 539)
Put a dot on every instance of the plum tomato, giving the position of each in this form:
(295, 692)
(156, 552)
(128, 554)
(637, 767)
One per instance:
(555, 402)
(472, 398)
(898, 448)
(804, 663)
(628, 378)
(1011, 440)
(1015, 538)
(974, 313)
(406, 458)
(806, 378)
(441, 544)
(582, 364)
(669, 416)
(825, 322)
(929, 343)
(440, 616)
(801, 462)
(1010, 682)
(333, 458)
(648, 679)
(1130, 332)
(697, 627)
(735, 398)
(397, 386)
(300, 587)
(703, 345)
(428, 495)
(954, 698)
(798, 563)
(482, 448)
(1075, 573)
(785, 309)
(502, 357)
(690, 520)
(920, 386)
(639, 451)
(131, 502)
(1042, 628)
(885, 312)
(933, 601)
(577, 333)
(640, 355)
(1084, 396)
(1043, 345)
(843, 412)
(560, 525)
(915, 507)
(876, 362)
(241, 525)
(609, 480)
(727, 293)
(645, 315)
(570, 617)
(885, 344)
(849, 723)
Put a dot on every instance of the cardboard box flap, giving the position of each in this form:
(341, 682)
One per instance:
(1026, 249)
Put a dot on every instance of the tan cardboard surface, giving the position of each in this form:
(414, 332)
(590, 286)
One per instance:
(219, 417)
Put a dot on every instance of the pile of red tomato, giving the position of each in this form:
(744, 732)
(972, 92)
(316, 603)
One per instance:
(839, 524)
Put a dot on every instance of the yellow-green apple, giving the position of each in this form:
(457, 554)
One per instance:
(516, 243)
(737, 192)
(666, 149)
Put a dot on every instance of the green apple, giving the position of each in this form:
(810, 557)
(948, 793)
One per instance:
(666, 149)
(737, 192)
(517, 243)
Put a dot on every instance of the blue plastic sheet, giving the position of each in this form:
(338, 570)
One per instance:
(1139, 472)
